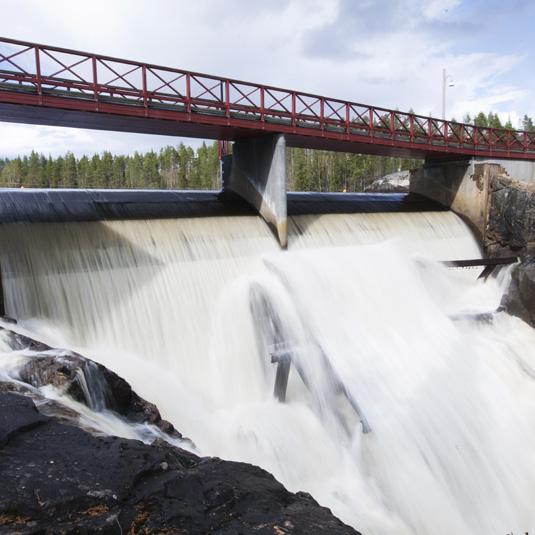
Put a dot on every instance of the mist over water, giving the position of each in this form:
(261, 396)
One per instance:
(380, 334)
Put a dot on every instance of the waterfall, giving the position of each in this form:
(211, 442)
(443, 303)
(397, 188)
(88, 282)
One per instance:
(405, 410)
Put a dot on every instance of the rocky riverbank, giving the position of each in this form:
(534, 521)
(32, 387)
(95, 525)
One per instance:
(511, 230)
(519, 299)
(63, 474)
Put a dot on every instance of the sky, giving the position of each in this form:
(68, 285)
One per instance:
(387, 53)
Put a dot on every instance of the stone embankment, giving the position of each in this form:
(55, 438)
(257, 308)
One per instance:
(60, 475)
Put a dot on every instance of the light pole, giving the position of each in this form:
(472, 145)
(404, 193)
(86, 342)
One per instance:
(447, 81)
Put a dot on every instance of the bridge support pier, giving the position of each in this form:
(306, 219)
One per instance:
(256, 171)
(495, 197)
(461, 185)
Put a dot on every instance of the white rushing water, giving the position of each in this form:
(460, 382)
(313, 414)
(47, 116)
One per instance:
(189, 311)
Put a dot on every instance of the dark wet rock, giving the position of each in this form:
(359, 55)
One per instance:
(61, 372)
(127, 403)
(17, 388)
(57, 410)
(58, 478)
(519, 299)
(18, 342)
(18, 414)
(511, 230)
(511, 220)
(87, 382)
(47, 407)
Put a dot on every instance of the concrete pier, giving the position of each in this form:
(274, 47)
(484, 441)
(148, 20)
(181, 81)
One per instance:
(256, 171)
(461, 185)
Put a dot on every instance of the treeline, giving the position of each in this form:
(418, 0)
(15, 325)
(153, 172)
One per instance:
(318, 170)
(491, 120)
(184, 168)
(171, 168)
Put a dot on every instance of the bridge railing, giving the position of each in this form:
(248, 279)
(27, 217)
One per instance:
(45, 71)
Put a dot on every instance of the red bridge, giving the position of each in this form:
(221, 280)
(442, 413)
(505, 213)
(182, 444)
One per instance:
(53, 86)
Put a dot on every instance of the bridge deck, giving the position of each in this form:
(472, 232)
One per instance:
(48, 85)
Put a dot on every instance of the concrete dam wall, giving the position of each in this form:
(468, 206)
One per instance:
(497, 198)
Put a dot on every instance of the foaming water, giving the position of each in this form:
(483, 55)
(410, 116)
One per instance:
(380, 336)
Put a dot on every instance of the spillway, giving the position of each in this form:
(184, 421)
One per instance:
(190, 310)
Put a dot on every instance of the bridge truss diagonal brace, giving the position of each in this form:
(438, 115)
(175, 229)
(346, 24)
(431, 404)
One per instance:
(256, 171)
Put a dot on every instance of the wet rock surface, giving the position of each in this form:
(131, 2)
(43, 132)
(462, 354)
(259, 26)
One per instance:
(511, 220)
(519, 299)
(60, 478)
(18, 341)
(85, 381)
(511, 231)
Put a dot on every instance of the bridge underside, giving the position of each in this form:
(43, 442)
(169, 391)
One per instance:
(165, 123)
(121, 118)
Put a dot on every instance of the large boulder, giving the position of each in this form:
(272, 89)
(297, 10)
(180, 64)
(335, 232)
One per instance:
(511, 230)
(58, 478)
(85, 381)
(511, 218)
(519, 300)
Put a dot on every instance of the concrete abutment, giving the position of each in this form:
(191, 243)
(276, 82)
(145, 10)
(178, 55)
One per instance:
(495, 197)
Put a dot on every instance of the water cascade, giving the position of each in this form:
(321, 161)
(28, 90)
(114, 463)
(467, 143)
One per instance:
(408, 400)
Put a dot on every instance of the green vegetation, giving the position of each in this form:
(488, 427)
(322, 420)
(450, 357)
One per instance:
(173, 167)
(318, 170)
(491, 120)
(183, 168)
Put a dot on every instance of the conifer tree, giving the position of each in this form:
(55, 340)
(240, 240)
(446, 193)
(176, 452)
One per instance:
(527, 124)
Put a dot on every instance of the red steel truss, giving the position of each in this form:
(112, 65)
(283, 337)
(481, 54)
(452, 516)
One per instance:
(48, 85)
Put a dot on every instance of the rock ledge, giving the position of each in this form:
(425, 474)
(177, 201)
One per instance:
(60, 478)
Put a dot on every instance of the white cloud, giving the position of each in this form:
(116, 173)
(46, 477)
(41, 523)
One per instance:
(436, 9)
(513, 116)
(20, 139)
